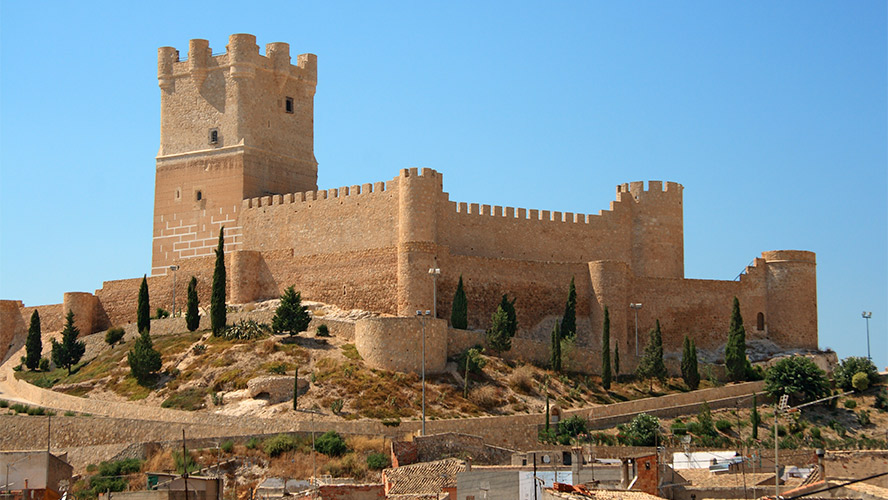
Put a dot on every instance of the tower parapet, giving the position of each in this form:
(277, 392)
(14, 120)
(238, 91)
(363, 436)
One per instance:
(657, 227)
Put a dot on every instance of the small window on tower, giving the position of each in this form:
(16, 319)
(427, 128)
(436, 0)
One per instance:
(199, 196)
(214, 136)
(288, 105)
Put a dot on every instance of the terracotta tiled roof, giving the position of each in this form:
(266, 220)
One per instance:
(422, 478)
(603, 495)
(704, 478)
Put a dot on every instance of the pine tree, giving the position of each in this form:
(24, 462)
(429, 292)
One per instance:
(67, 353)
(459, 311)
(651, 365)
(217, 300)
(605, 351)
(569, 321)
(689, 372)
(33, 344)
(143, 359)
(291, 316)
(192, 318)
(556, 348)
(755, 419)
(736, 363)
(617, 361)
(498, 336)
(143, 309)
(509, 308)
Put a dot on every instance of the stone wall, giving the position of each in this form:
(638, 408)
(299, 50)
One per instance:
(397, 343)
(12, 327)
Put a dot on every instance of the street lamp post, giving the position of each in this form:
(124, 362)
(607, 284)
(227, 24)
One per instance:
(435, 272)
(174, 268)
(422, 315)
(867, 315)
(635, 307)
(781, 406)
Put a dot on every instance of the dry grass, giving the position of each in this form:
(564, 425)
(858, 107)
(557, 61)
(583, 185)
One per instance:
(522, 380)
(486, 397)
(361, 444)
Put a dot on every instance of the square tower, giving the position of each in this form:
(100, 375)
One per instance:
(232, 126)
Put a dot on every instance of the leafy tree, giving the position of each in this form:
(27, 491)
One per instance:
(689, 372)
(606, 351)
(755, 419)
(192, 318)
(68, 353)
(651, 365)
(848, 367)
(798, 377)
(704, 418)
(617, 360)
(379, 461)
(291, 316)
(556, 348)
(736, 363)
(114, 335)
(33, 344)
(331, 444)
(459, 311)
(509, 307)
(217, 300)
(860, 382)
(569, 321)
(471, 357)
(643, 430)
(143, 359)
(143, 309)
(572, 427)
(498, 336)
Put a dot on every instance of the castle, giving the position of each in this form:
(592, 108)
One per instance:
(236, 151)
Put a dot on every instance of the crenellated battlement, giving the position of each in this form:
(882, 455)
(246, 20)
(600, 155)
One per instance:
(657, 189)
(310, 196)
(241, 57)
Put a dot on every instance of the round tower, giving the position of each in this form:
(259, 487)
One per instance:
(792, 298)
(611, 282)
(83, 305)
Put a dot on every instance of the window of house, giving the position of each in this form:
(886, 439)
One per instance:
(214, 136)
(288, 105)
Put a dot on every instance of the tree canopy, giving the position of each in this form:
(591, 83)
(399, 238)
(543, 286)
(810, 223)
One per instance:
(67, 353)
(736, 364)
(33, 344)
(291, 316)
(217, 299)
(459, 311)
(798, 377)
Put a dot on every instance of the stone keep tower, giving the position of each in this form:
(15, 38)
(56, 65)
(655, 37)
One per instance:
(233, 126)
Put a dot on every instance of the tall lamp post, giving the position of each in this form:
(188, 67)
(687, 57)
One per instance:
(435, 272)
(635, 307)
(174, 268)
(422, 315)
(867, 315)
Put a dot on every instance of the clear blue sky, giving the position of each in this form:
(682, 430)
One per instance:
(771, 114)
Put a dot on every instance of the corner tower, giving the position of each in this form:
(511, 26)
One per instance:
(233, 125)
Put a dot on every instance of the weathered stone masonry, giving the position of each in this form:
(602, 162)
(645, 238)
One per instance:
(236, 150)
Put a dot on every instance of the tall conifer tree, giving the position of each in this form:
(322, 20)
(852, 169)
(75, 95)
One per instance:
(508, 307)
(689, 372)
(33, 344)
(143, 308)
(605, 351)
(736, 363)
(192, 318)
(617, 360)
(651, 365)
(556, 348)
(459, 311)
(217, 301)
(569, 320)
(67, 353)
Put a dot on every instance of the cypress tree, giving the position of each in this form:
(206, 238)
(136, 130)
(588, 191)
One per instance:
(67, 353)
(192, 318)
(511, 317)
(217, 301)
(689, 372)
(651, 365)
(291, 316)
(736, 363)
(143, 359)
(569, 321)
(33, 344)
(459, 311)
(498, 336)
(143, 309)
(556, 348)
(617, 360)
(605, 351)
(755, 419)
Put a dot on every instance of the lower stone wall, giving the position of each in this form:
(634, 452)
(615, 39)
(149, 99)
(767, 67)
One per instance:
(396, 343)
(441, 446)
(12, 328)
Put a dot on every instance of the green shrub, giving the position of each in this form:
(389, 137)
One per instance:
(161, 313)
(336, 407)
(114, 335)
(331, 444)
(572, 427)
(850, 404)
(252, 443)
(190, 399)
(860, 381)
(378, 461)
(473, 356)
(863, 417)
(44, 365)
(723, 425)
(282, 443)
(323, 331)
(881, 402)
(36, 410)
(227, 446)
(814, 432)
(678, 428)
(199, 349)
(246, 330)
(70, 413)
(4, 403)
(641, 431)
(278, 368)
(848, 367)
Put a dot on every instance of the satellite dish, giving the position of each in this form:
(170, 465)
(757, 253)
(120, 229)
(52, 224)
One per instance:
(546, 459)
